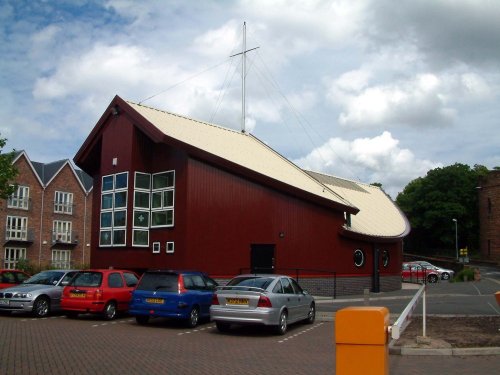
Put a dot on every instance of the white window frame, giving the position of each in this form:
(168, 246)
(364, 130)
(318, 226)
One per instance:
(164, 207)
(61, 259)
(139, 227)
(20, 198)
(156, 247)
(12, 256)
(16, 228)
(63, 202)
(61, 231)
(170, 247)
(113, 230)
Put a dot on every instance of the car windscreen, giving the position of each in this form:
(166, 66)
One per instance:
(254, 282)
(156, 281)
(87, 279)
(45, 278)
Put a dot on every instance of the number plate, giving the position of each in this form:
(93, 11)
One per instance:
(77, 295)
(237, 301)
(4, 302)
(155, 300)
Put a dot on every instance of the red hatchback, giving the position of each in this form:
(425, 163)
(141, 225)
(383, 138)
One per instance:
(98, 291)
(10, 278)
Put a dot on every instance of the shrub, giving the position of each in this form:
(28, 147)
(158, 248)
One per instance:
(465, 273)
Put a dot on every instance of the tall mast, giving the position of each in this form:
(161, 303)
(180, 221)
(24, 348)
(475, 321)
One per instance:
(243, 54)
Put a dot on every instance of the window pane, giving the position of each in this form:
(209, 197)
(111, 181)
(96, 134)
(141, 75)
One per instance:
(119, 237)
(163, 180)
(141, 200)
(141, 237)
(105, 238)
(161, 218)
(168, 198)
(106, 201)
(142, 181)
(121, 181)
(120, 219)
(156, 202)
(106, 219)
(121, 199)
(141, 219)
(107, 183)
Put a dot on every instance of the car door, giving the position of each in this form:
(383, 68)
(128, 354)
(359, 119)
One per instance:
(204, 294)
(302, 301)
(292, 300)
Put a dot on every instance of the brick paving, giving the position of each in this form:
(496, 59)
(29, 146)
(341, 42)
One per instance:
(88, 345)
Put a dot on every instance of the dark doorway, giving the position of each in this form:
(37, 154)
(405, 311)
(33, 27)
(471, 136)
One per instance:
(262, 258)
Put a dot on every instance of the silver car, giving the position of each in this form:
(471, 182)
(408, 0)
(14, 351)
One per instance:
(271, 300)
(445, 273)
(40, 294)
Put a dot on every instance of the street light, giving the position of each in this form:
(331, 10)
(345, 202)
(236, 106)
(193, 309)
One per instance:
(456, 237)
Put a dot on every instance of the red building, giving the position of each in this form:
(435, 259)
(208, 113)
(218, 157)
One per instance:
(172, 192)
(489, 216)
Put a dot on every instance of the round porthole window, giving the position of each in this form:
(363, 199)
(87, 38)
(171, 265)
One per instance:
(385, 258)
(359, 258)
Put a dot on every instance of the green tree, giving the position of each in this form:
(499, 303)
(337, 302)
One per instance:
(432, 202)
(8, 172)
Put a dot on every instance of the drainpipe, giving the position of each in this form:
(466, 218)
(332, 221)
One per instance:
(41, 229)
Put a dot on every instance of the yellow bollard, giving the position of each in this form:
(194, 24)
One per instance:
(361, 336)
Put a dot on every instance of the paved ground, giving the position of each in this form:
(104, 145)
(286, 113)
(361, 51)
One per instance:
(88, 345)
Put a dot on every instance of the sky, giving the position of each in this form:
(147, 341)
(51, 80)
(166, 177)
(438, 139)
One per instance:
(368, 90)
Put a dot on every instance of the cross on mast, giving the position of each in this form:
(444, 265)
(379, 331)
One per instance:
(243, 76)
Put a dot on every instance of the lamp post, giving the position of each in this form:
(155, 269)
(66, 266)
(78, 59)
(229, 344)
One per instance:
(456, 237)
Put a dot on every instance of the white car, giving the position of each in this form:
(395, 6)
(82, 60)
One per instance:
(446, 274)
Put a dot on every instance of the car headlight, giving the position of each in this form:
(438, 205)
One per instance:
(22, 295)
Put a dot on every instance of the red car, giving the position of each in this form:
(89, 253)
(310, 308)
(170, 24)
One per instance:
(416, 273)
(98, 291)
(10, 278)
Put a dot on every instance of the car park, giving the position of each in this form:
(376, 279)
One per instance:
(39, 295)
(270, 300)
(184, 295)
(416, 273)
(10, 278)
(446, 274)
(98, 291)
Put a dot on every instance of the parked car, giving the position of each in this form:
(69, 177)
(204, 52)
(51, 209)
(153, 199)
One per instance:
(414, 272)
(185, 295)
(40, 294)
(99, 291)
(10, 278)
(446, 274)
(271, 300)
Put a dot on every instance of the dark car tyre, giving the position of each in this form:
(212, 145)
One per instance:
(110, 311)
(445, 276)
(142, 319)
(283, 324)
(222, 327)
(432, 278)
(311, 316)
(194, 317)
(41, 307)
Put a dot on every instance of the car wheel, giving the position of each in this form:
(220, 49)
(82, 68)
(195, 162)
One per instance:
(445, 276)
(432, 278)
(41, 307)
(142, 319)
(283, 324)
(110, 311)
(311, 316)
(194, 317)
(223, 327)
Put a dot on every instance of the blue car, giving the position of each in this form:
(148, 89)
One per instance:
(185, 295)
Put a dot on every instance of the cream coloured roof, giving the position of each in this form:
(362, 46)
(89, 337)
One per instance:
(378, 215)
(239, 148)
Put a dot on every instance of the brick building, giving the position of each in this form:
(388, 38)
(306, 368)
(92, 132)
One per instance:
(489, 216)
(47, 220)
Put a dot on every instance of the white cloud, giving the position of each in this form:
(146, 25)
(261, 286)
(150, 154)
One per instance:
(378, 159)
